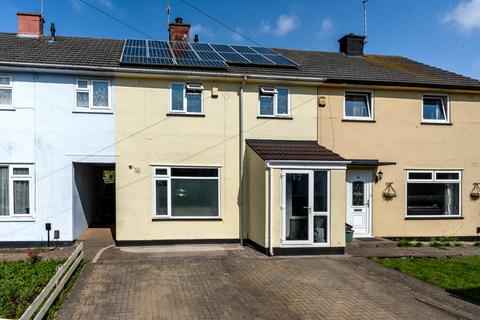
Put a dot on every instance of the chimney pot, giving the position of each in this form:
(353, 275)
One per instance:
(30, 24)
(52, 30)
(178, 31)
(195, 39)
(352, 44)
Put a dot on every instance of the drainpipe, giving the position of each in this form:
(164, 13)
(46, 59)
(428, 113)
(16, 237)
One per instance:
(270, 214)
(240, 159)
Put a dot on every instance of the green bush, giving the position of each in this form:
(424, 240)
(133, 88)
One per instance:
(404, 243)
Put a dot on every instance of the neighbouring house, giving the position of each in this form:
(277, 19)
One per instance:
(276, 148)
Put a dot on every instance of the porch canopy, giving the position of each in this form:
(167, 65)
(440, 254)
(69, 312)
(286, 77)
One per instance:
(293, 150)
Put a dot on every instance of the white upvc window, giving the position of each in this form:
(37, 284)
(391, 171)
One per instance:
(16, 190)
(92, 95)
(186, 192)
(433, 193)
(186, 98)
(6, 89)
(274, 102)
(435, 108)
(358, 105)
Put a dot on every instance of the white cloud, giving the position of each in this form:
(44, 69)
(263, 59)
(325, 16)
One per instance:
(201, 31)
(476, 65)
(106, 3)
(76, 5)
(283, 25)
(466, 15)
(236, 35)
(327, 25)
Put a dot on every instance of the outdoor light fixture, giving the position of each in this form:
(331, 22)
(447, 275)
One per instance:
(475, 193)
(379, 176)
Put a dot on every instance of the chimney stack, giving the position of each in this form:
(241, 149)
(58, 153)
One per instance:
(178, 31)
(30, 24)
(352, 44)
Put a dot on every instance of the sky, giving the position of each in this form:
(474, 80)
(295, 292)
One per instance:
(443, 33)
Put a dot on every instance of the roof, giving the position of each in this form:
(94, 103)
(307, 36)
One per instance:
(299, 150)
(91, 53)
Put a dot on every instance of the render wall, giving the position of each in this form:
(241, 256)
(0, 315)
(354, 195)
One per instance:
(398, 135)
(43, 130)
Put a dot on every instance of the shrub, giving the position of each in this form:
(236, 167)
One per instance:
(476, 243)
(32, 256)
(404, 243)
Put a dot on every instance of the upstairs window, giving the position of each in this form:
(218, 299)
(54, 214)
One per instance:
(5, 91)
(358, 106)
(186, 98)
(435, 109)
(433, 193)
(92, 95)
(274, 102)
(16, 192)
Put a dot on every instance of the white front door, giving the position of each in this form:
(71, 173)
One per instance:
(359, 195)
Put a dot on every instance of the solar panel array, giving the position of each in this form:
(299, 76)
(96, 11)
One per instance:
(185, 54)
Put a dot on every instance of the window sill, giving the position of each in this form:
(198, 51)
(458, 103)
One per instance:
(436, 123)
(359, 120)
(175, 114)
(6, 108)
(275, 117)
(186, 219)
(435, 218)
(106, 111)
(17, 219)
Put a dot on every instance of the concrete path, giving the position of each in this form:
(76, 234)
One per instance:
(231, 282)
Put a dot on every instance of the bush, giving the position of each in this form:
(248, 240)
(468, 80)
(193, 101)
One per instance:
(408, 243)
(32, 256)
(444, 242)
(476, 244)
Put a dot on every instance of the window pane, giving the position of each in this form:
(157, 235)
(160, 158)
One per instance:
(194, 172)
(21, 171)
(433, 199)
(420, 175)
(320, 229)
(100, 94)
(296, 206)
(266, 105)
(5, 81)
(161, 199)
(82, 99)
(194, 102)
(161, 172)
(320, 191)
(194, 198)
(4, 205)
(82, 84)
(358, 193)
(282, 101)
(177, 97)
(448, 176)
(432, 108)
(356, 106)
(21, 197)
(6, 97)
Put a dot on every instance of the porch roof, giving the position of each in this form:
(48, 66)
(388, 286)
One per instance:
(299, 150)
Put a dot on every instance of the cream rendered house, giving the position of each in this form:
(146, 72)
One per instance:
(283, 156)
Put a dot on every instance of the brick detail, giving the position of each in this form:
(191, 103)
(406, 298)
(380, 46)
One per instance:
(30, 24)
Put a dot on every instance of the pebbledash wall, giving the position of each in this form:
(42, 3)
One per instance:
(397, 134)
(42, 129)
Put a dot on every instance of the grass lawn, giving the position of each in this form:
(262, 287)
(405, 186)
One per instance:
(460, 276)
(21, 282)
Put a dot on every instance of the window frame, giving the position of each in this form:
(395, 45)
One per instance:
(445, 98)
(8, 87)
(89, 90)
(168, 177)
(370, 104)
(31, 190)
(275, 103)
(434, 180)
(185, 101)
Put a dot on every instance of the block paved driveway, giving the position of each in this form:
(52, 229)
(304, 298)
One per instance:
(239, 283)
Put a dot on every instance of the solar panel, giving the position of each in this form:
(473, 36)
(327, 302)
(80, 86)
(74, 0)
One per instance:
(185, 54)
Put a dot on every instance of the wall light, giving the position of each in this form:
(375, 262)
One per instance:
(379, 176)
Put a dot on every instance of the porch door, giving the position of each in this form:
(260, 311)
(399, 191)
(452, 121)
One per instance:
(359, 204)
(297, 206)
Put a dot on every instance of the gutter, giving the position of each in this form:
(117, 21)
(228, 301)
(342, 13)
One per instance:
(270, 213)
(112, 71)
(241, 155)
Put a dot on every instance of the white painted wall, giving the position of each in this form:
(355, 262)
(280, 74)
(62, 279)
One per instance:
(44, 131)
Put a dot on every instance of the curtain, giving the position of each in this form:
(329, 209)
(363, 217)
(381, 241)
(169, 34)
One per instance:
(3, 191)
(448, 200)
(100, 94)
(21, 197)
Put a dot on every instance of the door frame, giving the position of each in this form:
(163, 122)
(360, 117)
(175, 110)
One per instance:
(369, 207)
(310, 242)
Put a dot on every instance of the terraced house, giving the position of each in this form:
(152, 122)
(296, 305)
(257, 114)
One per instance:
(276, 148)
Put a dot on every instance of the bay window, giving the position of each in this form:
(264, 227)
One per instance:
(186, 192)
(16, 191)
(433, 193)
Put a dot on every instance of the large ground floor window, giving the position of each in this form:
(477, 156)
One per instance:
(16, 191)
(433, 193)
(186, 192)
